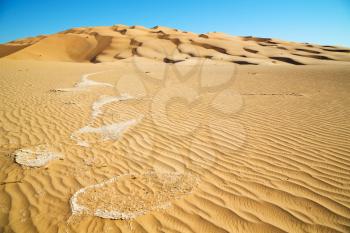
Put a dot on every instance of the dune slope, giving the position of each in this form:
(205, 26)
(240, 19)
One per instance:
(108, 44)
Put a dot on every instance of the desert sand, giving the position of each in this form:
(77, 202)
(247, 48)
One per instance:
(130, 129)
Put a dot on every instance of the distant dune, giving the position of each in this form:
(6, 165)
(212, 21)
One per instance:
(133, 130)
(108, 44)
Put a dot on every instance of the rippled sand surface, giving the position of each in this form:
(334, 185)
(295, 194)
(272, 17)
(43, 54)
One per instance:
(139, 143)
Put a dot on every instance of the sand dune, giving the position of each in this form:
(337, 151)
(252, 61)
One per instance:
(108, 44)
(130, 129)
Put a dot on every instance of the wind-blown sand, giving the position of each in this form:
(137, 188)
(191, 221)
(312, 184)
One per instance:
(129, 129)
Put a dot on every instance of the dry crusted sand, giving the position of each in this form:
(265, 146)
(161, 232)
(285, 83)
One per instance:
(179, 132)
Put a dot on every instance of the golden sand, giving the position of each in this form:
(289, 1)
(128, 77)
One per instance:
(137, 113)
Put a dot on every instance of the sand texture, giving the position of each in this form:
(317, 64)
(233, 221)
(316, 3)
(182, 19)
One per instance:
(130, 129)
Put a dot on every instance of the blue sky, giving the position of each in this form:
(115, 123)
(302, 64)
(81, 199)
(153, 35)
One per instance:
(315, 21)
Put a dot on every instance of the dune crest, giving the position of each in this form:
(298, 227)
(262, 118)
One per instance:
(110, 44)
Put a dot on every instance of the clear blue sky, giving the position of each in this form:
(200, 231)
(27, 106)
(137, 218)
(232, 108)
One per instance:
(316, 21)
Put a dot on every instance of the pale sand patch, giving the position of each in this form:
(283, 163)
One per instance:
(145, 192)
(107, 132)
(37, 156)
(103, 100)
(84, 83)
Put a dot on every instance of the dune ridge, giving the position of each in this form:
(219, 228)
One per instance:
(110, 44)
